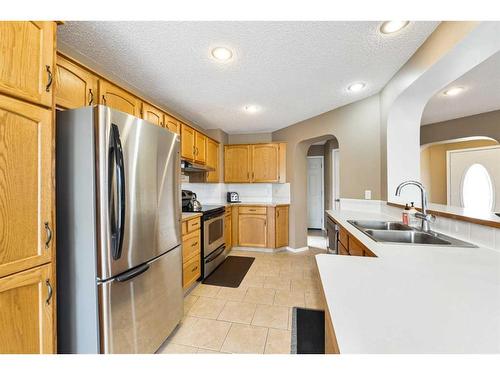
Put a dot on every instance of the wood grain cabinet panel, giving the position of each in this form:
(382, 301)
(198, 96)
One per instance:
(27, 301)
(117, 98)
(237, 164)
(26, 185)
(171, 124)
(265, 162)
(200, 145)
(252, 230)
(213, 160)
(75, 86)
(281, 222)
(27, 60)
(228, 230)
(187, 142)
(152, 114)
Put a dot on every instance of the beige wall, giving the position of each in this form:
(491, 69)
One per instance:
(484, 124)
(356, 128)
(433, 166)
(250, 138)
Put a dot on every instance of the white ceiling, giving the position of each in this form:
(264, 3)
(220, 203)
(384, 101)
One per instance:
(481, 94)
(293, 70)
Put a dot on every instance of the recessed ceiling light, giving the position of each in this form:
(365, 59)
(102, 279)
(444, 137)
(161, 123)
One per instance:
(389, 27)
(251, 108)
(453, 91)
(222, 54)
(355, 87)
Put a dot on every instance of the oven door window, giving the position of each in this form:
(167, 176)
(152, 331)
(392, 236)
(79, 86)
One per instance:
(215, 230)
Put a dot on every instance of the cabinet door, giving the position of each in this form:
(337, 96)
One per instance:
(75, 86)
(27, 312)
(172, 124)
(26, 185)
(252, 230)
(117, 98)
(227, 231)
(265, 162)
(200, 145)
(281, 226)
(27, 60)
(187, 142)
(213, 160)
(237, 163)
(152, 114)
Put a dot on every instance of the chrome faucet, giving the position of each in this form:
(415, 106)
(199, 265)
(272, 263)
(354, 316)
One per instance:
(426, 218)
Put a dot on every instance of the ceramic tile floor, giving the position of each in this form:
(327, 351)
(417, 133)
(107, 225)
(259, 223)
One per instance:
(317, 238)
(256, 316)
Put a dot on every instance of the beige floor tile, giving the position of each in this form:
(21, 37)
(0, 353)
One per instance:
(314, 301)
(202, 333)
(277, 282)
(172, 348)
(290, 315)
(206, 351)
(232, 294)
(271, 316)
(278, 342)
(256, 281)
(189, 301)
(291, 275)
(203, 290)
(311, 274)
(290, 299)
(245, 339)
(208, 308)
(238, 312)
(305, 285)
(260, 296)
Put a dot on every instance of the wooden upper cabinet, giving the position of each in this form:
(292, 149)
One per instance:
(26, 185)
(281, 220)
(172, 124)
(213, 160)
(27, 301)
(152, 114)
(187, 142)
(27, 60)
(200, 145)
(265, 162)
(75, 86)
(252, 230)
(237, 163)
(117, 98)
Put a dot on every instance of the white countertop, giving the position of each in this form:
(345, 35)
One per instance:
(412, 299)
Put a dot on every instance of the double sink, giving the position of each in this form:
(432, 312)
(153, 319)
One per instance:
(397, 232)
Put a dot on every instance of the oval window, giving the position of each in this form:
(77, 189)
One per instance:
(477, 189)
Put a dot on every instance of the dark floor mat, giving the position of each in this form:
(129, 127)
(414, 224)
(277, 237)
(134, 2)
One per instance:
(308, 331)
(231, 272)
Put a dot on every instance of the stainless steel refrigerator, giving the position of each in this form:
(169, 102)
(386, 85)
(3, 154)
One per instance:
(119, 261)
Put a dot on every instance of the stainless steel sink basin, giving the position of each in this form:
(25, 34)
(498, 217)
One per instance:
(397, 232)
(379, 225)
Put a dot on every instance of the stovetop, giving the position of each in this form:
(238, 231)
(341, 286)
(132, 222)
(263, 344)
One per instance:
(205, 208)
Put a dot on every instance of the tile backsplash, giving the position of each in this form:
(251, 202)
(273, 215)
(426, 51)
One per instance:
(251, 193)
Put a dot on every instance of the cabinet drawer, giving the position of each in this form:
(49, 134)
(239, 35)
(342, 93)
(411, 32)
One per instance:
(253, 210)
(342, 250)
(343, 237)
(190, 245)
(193, 224)
(191, 271)
(355, 248)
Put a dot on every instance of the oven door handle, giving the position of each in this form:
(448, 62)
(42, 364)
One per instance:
(215, 254)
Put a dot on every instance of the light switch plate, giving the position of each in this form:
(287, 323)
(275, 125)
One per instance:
(368, 194)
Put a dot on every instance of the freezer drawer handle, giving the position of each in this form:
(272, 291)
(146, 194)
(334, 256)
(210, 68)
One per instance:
(132, 273)
(215, 254)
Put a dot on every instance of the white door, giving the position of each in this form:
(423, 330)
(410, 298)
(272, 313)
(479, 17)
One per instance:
(315, 200)
(474, 178)
(336, 180)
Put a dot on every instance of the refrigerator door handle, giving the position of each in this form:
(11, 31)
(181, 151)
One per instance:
(116, 167)
(132, 273)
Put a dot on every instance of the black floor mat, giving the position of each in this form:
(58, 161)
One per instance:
(231, 272)
(308, 331)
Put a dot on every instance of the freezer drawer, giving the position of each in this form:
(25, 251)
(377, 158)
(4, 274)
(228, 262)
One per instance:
(141, 307)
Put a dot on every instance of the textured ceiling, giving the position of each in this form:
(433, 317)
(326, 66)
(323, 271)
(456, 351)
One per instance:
(482, 94)
(293, 70)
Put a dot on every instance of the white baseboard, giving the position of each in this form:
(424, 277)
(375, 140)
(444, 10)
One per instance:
(256, 249)
(297, 250)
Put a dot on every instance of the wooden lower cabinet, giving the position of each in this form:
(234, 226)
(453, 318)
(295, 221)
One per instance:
(281, 222)
(191, 251)
(228, 229)
(252, 230)
(349, 245)
(27, 312)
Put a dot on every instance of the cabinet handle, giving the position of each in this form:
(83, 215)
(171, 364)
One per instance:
(252, 210)
(49, 235)
(49, 82)
(49, 289)
(91, 97)
(194, 244)
(104, 99)
(194, 269)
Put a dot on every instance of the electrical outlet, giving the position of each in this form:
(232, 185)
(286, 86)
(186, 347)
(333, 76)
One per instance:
(368, 194)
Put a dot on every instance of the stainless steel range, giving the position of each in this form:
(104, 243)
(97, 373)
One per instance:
(213, 247)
